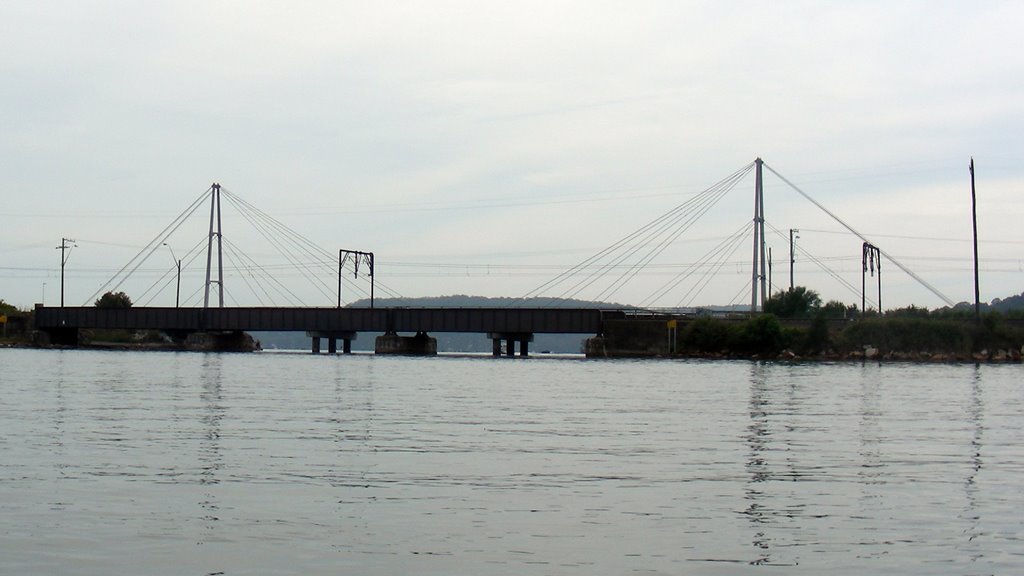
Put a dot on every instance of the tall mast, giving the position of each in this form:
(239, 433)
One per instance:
(214, 218)
(220, 252)
(758, 267)
(974, 216)
(759, 184)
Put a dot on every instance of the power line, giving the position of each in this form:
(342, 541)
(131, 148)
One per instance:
(898, 264)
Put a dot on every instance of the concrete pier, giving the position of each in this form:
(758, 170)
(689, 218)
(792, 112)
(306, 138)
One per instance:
(644, 338)
(418, 345)
(510, 339)
(332, 337)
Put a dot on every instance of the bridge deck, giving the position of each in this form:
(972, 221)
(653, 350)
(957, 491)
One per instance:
(480, 320)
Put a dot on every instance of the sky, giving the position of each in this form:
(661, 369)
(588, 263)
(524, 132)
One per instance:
(486, 147)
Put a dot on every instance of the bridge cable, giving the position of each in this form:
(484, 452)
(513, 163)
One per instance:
(644, 232)
(667, 241)
(700, 205)
(279, 236)
(150, 248)
(189, 257)
(323, 258)
(297, 264)
(279, 287)
(910, 273)
(244, 272)
(279, 244)
(819, 263)
(724, 251)
(743, 293)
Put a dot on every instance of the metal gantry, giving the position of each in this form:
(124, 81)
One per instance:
(357, 257)
(871, 258)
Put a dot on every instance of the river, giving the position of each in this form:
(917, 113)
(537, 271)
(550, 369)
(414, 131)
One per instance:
(278, 463)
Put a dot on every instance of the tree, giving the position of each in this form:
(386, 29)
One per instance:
(114, 300)
(796, 302)
(6, 308)
(836, 309)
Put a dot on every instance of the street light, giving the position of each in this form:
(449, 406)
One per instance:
(65, 253)
(177, 293)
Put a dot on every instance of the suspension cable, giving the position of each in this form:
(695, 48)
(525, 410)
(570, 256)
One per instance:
(898, 264)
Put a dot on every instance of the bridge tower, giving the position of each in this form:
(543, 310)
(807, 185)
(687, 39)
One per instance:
(758, 285)
(214, 211)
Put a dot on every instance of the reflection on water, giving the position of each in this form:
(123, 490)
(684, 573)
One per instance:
(209, 456)
(971, 515)
(284, 464)
(758, 438)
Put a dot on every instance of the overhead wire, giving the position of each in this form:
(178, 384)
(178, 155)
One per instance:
(279, 242)
(189, 257)
(244, 273)
(799, 249)
(248, 263)
(150, 248)
(691, 269)
(643, 235)
(300, 243)
(672, 235)
(726, 252)
(842, 223)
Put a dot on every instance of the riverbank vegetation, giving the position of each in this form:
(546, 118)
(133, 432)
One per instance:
(798, 325)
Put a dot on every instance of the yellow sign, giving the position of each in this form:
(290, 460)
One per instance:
(3, 319)
(671, 324)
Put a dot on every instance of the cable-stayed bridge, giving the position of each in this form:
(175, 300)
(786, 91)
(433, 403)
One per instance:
(600, 277)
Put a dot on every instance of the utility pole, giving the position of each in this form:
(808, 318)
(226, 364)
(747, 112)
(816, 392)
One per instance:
(792, 255)
(177, 291)
(974, 216)
(65, 253)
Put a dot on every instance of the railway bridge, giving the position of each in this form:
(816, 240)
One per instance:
(511, 325)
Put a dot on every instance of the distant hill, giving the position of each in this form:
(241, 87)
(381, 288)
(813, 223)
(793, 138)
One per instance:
(1002, 305)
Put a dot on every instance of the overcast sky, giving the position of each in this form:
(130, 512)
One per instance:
(483, 147)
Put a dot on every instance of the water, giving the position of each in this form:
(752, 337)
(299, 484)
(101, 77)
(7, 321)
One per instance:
(183, 463)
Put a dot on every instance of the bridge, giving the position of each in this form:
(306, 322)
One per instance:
(614, 266)
(511, 325)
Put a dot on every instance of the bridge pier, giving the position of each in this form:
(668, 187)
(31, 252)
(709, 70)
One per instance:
(332, 337)
(58, 337)
(418, 345)
(510, 338)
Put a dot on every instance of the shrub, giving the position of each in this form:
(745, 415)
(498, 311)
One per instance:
(816, 339)
(708, 335)
(763, 335)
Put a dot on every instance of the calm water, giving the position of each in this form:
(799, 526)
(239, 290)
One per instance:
(182, 463)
